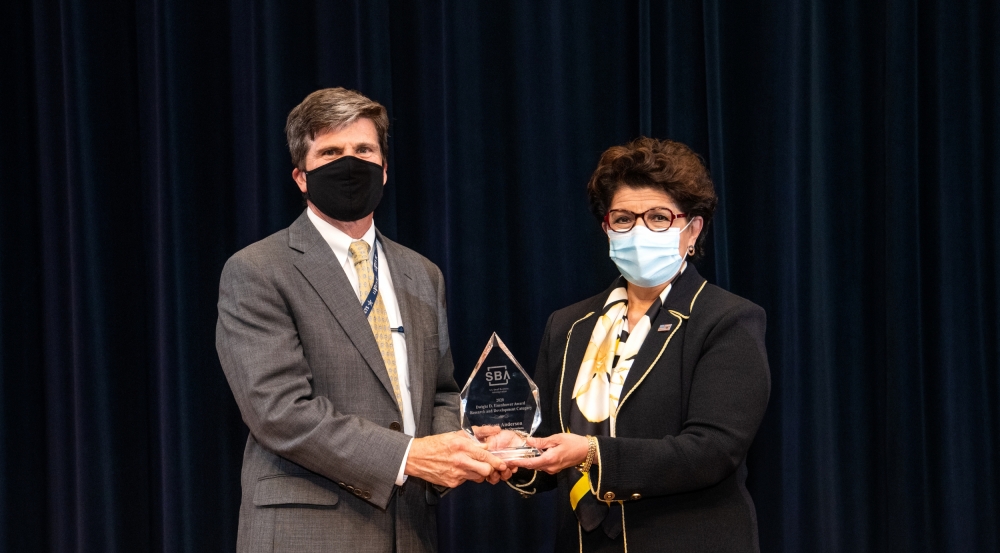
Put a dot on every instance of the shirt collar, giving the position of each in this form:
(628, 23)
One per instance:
(338, 240)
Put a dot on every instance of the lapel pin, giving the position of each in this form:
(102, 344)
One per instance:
(665, 328)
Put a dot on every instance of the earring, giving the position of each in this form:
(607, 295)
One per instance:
(691, 249)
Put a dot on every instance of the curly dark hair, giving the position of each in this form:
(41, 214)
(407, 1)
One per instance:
(659, 164)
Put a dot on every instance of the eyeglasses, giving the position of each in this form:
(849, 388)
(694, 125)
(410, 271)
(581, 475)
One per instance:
(657, 219)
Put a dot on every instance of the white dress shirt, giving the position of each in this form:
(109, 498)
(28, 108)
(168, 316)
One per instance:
(340, 243)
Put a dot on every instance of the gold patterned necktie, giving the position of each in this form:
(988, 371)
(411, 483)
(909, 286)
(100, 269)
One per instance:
(377, 317)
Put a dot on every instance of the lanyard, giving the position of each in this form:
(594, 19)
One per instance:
(373, 293)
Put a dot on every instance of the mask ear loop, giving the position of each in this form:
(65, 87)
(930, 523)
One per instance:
(690, 250)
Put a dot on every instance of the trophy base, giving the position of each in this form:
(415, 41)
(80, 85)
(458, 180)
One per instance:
(523, 452)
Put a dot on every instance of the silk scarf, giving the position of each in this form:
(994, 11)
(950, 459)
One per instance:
(599, 382)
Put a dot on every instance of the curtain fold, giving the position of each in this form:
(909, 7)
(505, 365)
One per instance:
(854, 147)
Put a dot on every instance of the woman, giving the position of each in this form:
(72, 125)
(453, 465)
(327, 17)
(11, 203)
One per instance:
(653, 389)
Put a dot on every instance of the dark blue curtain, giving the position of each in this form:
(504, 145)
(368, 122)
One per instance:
(854, 146)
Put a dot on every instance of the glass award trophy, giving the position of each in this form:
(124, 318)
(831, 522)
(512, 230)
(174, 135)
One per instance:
(500, 393)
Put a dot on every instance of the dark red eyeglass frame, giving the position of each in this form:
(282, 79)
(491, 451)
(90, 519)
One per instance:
(673, 217)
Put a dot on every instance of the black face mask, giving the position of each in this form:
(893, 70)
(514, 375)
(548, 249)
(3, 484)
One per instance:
(346, 189)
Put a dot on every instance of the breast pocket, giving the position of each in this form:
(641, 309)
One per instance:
(430, 357)
(431, 346)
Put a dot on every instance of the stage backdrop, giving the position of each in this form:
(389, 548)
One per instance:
(854, 145)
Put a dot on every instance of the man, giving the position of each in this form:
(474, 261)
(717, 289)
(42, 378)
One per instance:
(334, 340)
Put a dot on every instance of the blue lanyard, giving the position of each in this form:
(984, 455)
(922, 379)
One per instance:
(373, 293)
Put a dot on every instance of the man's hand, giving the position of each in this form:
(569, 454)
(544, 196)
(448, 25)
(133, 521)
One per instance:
(495, 438)
(452, 458)
(560, 451)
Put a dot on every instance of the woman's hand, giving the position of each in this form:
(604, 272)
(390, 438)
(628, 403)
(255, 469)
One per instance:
(560, 451)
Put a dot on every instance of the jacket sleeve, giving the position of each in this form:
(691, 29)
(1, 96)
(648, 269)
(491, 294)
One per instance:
(729, 391)
(262, 356)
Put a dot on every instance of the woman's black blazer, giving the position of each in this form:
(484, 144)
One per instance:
(689, 410)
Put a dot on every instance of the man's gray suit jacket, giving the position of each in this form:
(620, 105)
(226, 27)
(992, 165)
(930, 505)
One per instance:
(325, 442)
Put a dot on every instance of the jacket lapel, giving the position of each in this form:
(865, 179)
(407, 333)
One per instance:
(673, 313)
(579, 338)
(320, 268)
(402, 285)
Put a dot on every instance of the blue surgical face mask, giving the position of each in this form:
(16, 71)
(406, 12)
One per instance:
(646, 258)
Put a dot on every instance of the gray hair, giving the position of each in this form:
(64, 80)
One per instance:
(328, 109)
